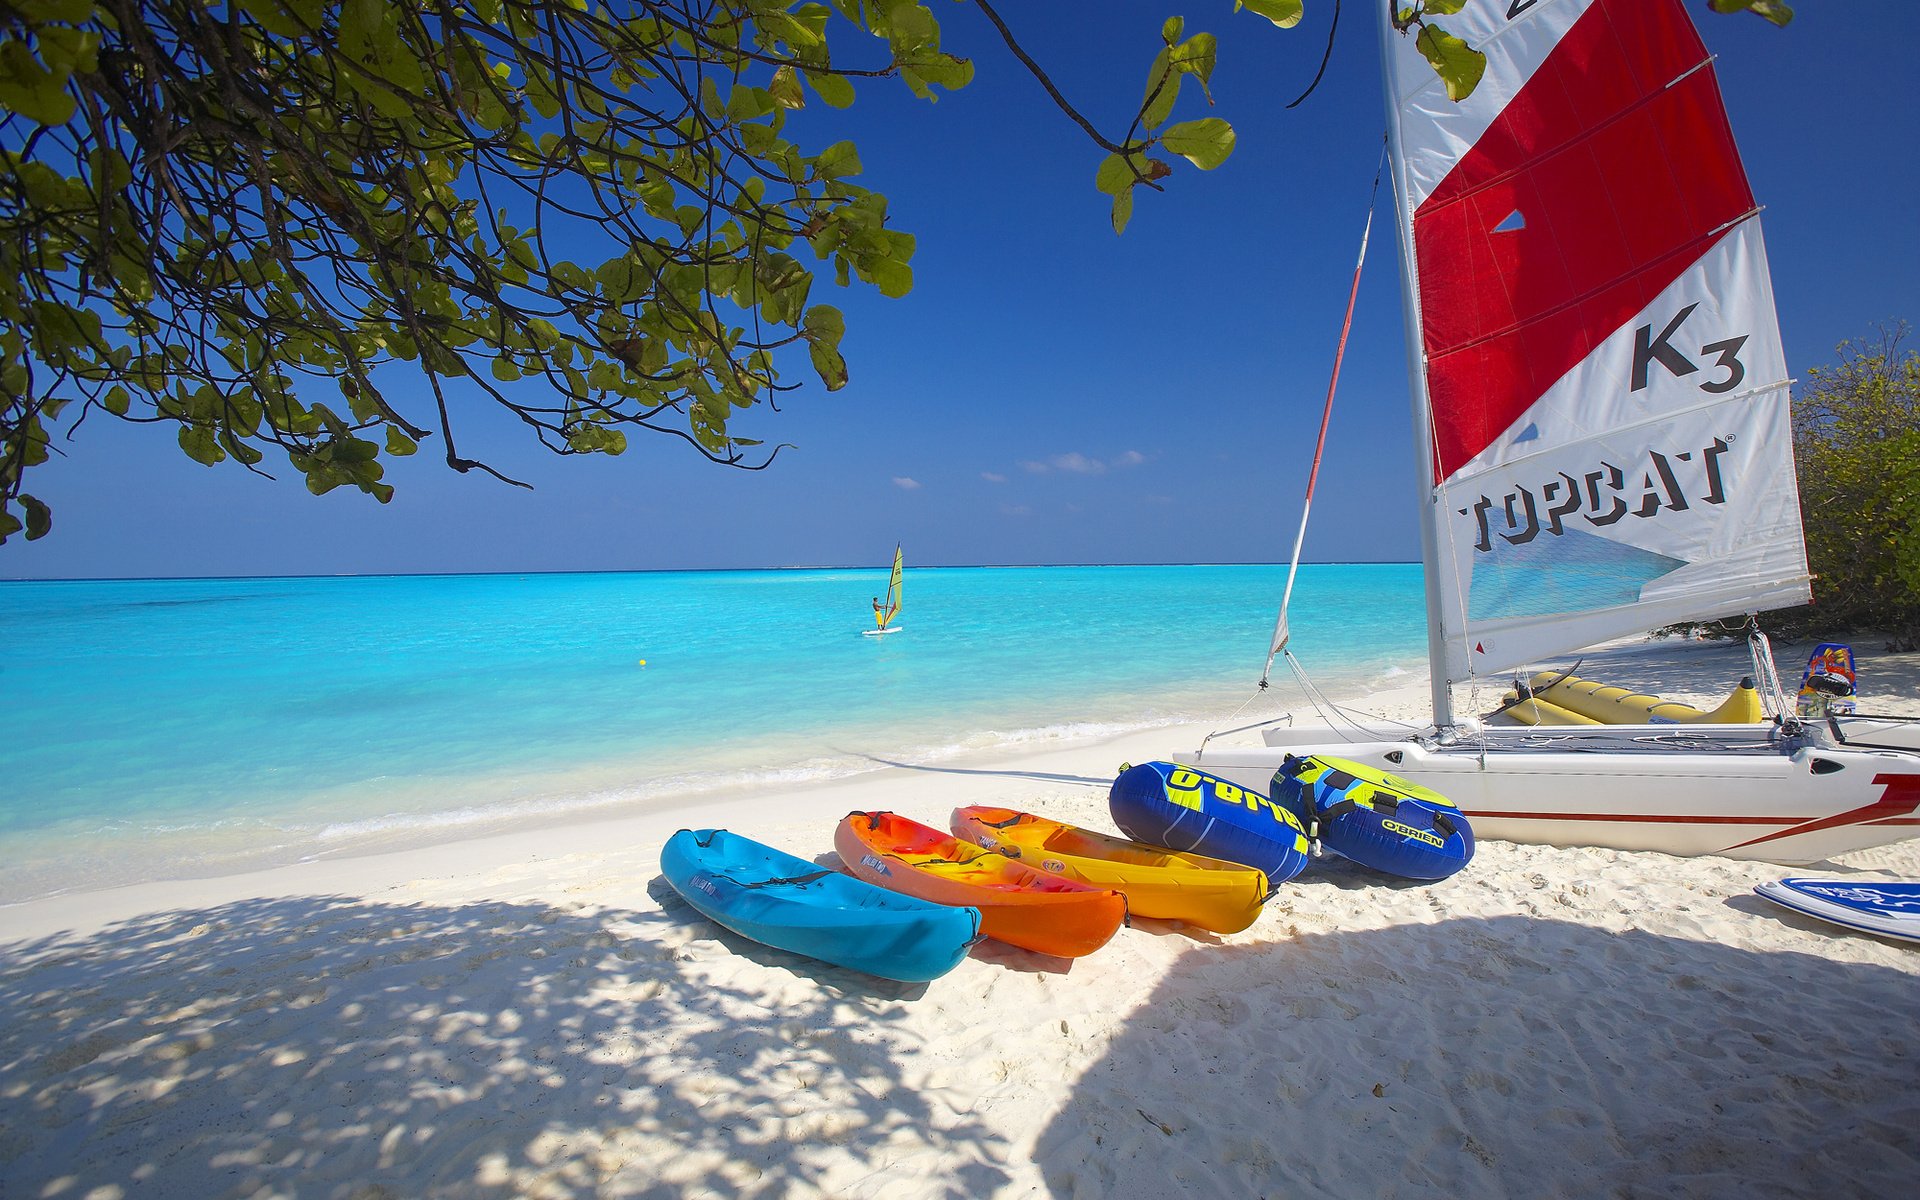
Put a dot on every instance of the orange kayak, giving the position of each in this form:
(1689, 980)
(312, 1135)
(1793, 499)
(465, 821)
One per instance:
(1174, 885)
(1018, 904)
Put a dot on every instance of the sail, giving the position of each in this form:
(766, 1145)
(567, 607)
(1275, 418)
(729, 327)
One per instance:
(1597, 369)
(890, 607)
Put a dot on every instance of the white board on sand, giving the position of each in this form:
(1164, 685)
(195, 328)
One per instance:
(1889, 909)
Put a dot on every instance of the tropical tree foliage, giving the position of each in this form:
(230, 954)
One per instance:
(234, 219)
(228, 218)
(1856, 432)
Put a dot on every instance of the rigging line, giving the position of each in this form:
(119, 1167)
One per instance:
(1280, 632)
(1334, 712)
(1760, 649)
(1243, 728)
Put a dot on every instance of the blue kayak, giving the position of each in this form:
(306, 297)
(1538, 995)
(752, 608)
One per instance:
(791, 904)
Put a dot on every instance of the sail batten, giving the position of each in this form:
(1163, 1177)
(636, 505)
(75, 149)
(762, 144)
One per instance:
(1593, 319)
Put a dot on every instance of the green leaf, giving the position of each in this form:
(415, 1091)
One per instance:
(360, 401)
(944, 69)
(892, 277)
(200, 444)
(785, 89)
(1163, 88)
(1170, 31)
(66, 50)
(1122, 210)
(1205, 143)
(834, 89)
(30, 89)
(1284, 13)
(1458, 64)
(1443, 8)
(824, 324)
(780, 26)
(829, 365)
(235, 446)
(586, 437)
(1196, 56)
(749, 103)
(39, 517)
(622, 280)
(71, 12)
(1773, 10)
(1114, 176)
(837, 161)
(398, 443)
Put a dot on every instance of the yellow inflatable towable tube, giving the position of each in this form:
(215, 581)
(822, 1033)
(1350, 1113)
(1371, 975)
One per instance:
(1598, 703)
(1531, 710)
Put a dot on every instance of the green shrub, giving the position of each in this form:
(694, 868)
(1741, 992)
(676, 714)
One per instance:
(1856, 439)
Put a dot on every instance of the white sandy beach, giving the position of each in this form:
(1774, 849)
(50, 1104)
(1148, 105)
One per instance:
(540, 1015)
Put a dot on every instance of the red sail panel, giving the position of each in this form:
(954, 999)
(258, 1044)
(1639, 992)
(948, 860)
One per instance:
(1613, 170)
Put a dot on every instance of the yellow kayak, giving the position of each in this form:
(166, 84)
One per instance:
(1171, 885)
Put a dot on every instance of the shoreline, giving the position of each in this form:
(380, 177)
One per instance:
(528, 805)
(990, 775)
(541, 1015)
(1011, 773)
(179, 732)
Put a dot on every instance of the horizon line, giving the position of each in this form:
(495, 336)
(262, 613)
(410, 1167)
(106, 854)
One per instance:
(680, 571)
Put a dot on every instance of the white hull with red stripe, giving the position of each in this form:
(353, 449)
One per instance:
(1741, 791)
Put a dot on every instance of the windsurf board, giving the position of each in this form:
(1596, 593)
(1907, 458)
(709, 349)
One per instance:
(1891, 910)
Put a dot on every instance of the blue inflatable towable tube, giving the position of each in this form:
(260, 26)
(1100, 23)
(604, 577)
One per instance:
(1180, 808)
(1376, 819)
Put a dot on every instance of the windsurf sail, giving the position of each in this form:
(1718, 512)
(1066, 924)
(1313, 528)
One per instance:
(1596, 367)
(884, 611)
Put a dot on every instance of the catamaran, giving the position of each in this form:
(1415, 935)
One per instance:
(884, 611)
(1601, 407)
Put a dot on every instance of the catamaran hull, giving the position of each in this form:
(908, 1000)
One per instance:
(1792, 803)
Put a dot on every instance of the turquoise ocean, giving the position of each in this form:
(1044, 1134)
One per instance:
(180, 728)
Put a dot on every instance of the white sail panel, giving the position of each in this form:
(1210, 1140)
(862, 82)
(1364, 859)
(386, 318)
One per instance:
(1599, 366)
(1436, 131)
(1710, 338)
(1653, 484)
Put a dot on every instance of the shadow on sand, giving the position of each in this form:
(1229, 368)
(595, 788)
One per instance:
(1507, 1056)
(317, 1046)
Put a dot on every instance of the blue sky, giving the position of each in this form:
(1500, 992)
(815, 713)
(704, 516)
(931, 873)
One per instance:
(1050, 393)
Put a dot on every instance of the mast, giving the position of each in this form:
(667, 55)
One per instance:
(1416, 385)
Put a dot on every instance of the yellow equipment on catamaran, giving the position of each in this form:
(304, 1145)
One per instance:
(1557, 699)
